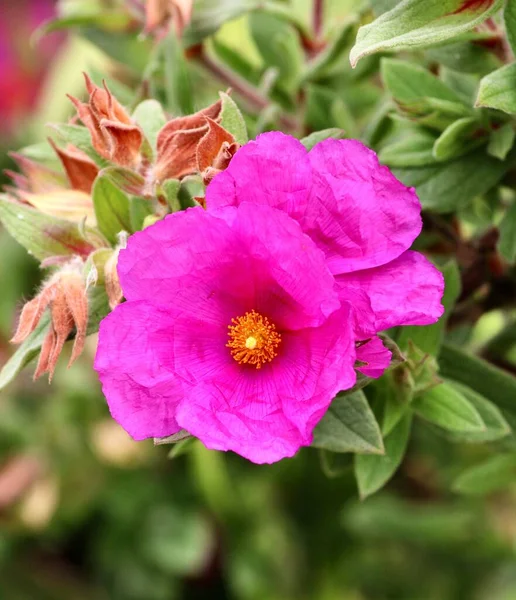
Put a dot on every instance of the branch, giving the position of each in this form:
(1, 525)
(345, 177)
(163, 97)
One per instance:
(248, 92)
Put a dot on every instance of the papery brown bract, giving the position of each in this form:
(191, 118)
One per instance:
(80, 169)
(113, 133)
(64, 294)
(178, 141)
(160, 13)
(215, 150)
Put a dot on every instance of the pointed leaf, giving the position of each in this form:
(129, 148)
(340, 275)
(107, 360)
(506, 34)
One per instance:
(111, 208)
(232, 120)
(414, 24)
(496, 427)
(494, 384)
(373, 472)
(501, 141)
(318, 136)
(496, 473)
(498, 90)
(41, 235)
(150, 117)
(448, 186)
(446, 407)
(349, 426)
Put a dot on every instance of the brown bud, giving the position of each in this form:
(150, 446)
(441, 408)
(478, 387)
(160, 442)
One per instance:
(159, 13)
(178, 141)
(209, 148)
(80, 169)
(113, 134)
(65, 295)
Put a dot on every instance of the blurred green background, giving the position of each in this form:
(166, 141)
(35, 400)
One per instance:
(86, 513)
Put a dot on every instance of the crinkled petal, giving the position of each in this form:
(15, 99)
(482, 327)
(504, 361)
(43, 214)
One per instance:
(358, 212)
(141, 393)
(407, 291)
(377, 357)
(252, 257)
(272, 170)
(267, 414)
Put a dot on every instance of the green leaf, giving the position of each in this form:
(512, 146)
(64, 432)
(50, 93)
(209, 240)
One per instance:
(446, 407)
(429, 338)
(44, 236)
(458, 139)
(496, 427)
(170, 189)
(150, 117)
(126, 180)
(496, 473)
(111, 208)
(278, 44)
(415, 150)
(507, 239)
(414, 24)
(79, 137)
(178, 86)
(349, 426)
(447, 187)
(373, 472)
(335, 464)
(501, 141)
(98, 308)
(232, 120)
(139, 210)
(465, 57)
(409, 83)
(209, 15)
(494, 384)
(509, 17)
(318, 136)
(422, 95)
(182, 447)
(498, 90)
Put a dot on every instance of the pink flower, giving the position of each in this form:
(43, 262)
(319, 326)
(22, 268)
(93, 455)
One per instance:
(239, 327)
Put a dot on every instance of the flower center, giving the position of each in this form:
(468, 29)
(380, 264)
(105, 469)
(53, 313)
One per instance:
(253, 339)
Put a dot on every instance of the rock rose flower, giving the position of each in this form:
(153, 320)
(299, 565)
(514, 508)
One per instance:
(243, 322)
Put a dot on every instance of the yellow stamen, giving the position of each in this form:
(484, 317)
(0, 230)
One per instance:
(253, 339)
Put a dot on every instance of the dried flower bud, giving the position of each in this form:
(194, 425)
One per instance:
(65, 295)
(48, 191)
(215, 151)
(178, 141)
(159, 13)
(80, 169)
(113, 133)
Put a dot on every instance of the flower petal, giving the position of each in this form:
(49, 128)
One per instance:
(142, 394)
(358, 212)
(377, 357)
(267, 414)
(272, 170)
(407, 291)
(252, 257)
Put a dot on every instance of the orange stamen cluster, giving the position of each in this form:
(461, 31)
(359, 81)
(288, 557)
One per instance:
(253, 339)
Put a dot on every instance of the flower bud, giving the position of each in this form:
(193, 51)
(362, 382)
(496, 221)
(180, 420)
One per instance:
(113, 133)
(65, 295)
